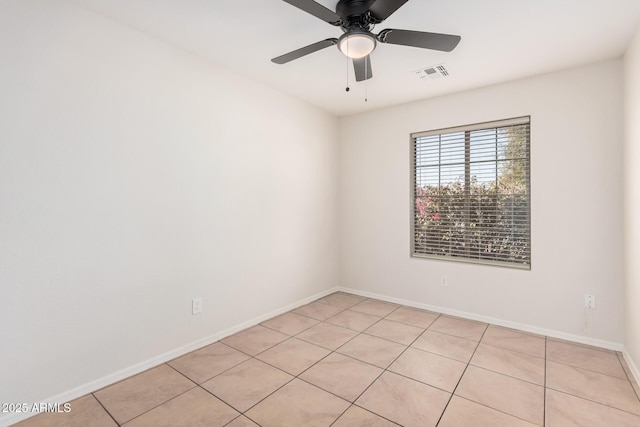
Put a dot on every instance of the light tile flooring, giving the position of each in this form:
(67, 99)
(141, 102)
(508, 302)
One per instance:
(349, 361)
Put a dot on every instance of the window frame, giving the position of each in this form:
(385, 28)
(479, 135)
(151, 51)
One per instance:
(521, 120)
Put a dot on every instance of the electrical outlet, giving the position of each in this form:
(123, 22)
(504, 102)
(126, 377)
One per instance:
(444, 281)
(589, 301)
(196, 306)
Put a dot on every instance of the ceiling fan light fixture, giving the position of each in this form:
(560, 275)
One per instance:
(357, 44)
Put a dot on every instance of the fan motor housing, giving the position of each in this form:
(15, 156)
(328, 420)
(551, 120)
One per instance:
(354, 14)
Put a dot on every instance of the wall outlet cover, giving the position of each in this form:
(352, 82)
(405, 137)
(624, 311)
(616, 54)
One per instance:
(196, 306)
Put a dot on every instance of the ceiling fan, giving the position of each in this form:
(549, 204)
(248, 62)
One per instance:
(357, 18)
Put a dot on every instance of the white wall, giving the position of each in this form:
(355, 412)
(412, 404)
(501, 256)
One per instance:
(632, 202)
(134, 177)
(576, 178)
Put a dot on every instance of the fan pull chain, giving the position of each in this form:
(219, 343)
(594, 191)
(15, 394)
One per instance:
(347, 88)
(366, 78)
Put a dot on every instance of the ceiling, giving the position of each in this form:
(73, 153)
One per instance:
(501, 40)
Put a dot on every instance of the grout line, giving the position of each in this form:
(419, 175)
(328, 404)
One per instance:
(261, 351)
(497, 410)
(635, 390)
(366, 410)
(168, 400)
(105, 409)
(150, 409)
(462, 376)
(592, 371)
(229, 423)
(517, 351)
(304, 370)
(369, 386)
(507, 375)
(319, 320)
(174, 369)
(579, 344)
(502, 374)
(341, 414)
(596, 402)
(328, 348)
(261, 400)
(419, 381)
(221, 372)
(222, 400)
(333, 305)
(626, 373)
(301, 331)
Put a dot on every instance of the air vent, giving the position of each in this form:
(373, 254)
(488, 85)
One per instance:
(431, 73)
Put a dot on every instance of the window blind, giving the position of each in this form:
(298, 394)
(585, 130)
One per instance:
(471, 193)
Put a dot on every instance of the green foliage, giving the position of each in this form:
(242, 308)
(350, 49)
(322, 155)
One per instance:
(488, 222)
(514, 156)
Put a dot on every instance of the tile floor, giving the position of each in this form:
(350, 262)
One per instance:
(349, 361)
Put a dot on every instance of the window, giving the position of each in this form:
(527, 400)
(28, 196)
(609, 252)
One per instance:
(471, 193)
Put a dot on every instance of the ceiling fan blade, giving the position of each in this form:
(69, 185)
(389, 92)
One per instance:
(382, 9)
(317, 10)
(362, 66)
(303, 51)
(435, 41)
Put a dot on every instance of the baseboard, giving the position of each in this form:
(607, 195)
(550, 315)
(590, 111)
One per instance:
(92, 386)
(632, 366)
(495, 321)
